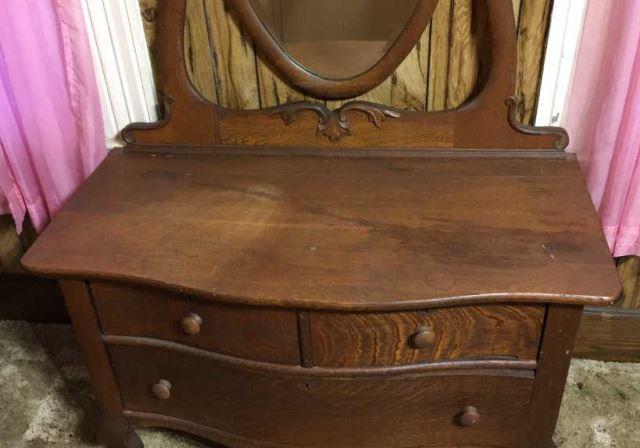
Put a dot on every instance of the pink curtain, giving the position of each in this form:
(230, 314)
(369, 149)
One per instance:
(603, 118)
(51, 132)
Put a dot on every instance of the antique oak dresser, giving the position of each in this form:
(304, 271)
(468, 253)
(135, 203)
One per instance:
(321, 277)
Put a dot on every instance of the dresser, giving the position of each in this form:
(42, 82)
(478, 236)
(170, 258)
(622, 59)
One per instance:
(311, 277)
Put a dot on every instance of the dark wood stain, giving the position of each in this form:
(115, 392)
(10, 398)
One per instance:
(269, 230)
(249, 408)
(265, 334)
(609, 334)
(496, 43)
(416, 283)
(381, 339)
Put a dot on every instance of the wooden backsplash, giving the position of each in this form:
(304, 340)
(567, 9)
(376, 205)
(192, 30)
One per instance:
(439, 73)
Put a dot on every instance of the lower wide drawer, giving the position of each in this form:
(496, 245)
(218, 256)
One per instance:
(297, 409)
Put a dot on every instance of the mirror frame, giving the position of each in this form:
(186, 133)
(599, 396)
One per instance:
(487, 121)
(316, 85)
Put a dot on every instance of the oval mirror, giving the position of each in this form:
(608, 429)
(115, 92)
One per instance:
(335, 39)
(335, 48)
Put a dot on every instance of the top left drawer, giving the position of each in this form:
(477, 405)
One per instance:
(261, 334)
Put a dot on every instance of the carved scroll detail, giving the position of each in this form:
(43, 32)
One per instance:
(126, 132)
(563, 138)
(334, 124)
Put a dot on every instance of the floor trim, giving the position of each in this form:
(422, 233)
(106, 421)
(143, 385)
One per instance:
(609, 334)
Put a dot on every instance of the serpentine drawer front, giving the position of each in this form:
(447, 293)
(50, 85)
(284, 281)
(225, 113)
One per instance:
(292, 408)
(384, 339)
(338, 339)
(261, 334)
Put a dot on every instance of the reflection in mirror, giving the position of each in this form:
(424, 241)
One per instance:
(335, 39)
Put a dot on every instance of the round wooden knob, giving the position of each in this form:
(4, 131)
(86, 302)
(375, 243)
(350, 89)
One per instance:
(162, 390)
(470, 416)
(191, 324)
(423, 338)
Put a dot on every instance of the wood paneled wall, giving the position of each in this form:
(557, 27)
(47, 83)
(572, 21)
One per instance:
(439, 73)
(12, 245)
(629, 271)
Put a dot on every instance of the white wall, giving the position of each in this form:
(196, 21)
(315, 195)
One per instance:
(565, 33)
(122, 64)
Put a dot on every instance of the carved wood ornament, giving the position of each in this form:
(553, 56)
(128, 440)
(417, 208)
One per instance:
(562, 140)
(484, 122)
(334, 124)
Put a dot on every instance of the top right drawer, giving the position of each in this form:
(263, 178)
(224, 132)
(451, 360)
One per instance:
(366, 339)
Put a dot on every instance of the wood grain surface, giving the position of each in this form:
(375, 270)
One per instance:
(379, 339)
(609, 334)
(336, 232)
(273, 90)
(320, 412)
(629, 272)
(440, 42)
(235, 62)
(463, 64)
(532, 36)
(11, 248)
(261, 334)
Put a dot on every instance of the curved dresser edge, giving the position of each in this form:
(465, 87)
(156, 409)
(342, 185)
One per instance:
(331, 304)
(522, 368)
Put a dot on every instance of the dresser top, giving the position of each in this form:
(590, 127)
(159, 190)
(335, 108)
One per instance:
(335, 232)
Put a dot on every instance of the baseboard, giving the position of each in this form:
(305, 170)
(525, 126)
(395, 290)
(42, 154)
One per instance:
(25, 297)
(609, 334)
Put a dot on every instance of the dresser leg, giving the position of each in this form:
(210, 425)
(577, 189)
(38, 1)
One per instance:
(114, 432)
(561, 327)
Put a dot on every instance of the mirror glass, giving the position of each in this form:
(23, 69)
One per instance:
(335, 39)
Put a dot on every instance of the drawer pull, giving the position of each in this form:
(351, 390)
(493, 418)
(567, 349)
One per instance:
(162, 390)
(191, 324)
(423, 338)
(470, 416)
